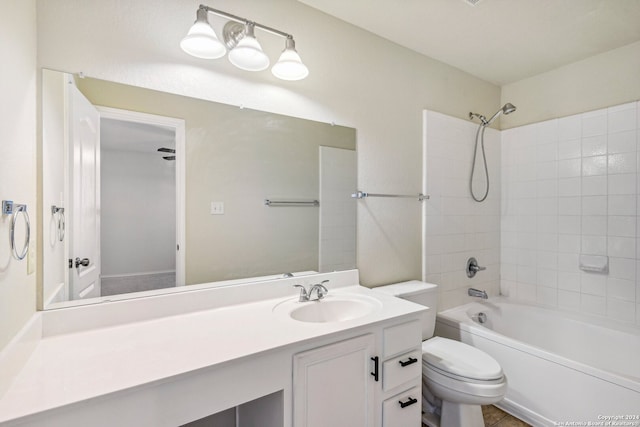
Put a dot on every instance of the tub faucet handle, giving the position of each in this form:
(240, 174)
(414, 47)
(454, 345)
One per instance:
(473, 267)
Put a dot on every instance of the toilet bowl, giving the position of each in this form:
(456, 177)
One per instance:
(458, 378)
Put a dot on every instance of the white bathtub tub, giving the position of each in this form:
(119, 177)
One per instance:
(561, 367)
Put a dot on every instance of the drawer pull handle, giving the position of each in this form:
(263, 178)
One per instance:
(409, 402)
(376, 370)
(411, 361)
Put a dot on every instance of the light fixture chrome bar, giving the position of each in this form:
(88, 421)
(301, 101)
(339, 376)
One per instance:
(361, 195)
(246, 21)
(275, 203)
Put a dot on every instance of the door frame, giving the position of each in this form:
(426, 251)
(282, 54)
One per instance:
(180, 128)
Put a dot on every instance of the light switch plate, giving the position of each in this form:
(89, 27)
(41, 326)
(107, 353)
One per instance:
(217, 208)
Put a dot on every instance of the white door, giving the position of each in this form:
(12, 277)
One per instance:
(84, 196)
(333, 385)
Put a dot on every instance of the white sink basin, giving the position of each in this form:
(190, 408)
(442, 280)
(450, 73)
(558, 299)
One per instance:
(332, 308)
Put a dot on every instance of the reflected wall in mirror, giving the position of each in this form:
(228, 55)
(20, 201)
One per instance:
(160, 190)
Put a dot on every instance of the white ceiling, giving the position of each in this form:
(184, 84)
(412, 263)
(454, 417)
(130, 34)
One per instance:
(139, 137)
(500, 41)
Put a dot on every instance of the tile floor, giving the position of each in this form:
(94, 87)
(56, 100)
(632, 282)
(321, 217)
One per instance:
(495, 417)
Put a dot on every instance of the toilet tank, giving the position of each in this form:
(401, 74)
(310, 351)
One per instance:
(422, 293)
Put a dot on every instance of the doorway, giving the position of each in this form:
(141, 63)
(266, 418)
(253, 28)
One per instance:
(141, 201)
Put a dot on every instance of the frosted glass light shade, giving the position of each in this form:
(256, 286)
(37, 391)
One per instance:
(290, 66)
(248, 54)
(201, 41)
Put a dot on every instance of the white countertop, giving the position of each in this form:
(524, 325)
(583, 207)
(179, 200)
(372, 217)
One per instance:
(73, 367)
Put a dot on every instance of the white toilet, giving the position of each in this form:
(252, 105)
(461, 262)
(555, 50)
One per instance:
(458, 377)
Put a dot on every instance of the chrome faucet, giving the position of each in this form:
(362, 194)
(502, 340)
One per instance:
(477, 293)
(319, 288)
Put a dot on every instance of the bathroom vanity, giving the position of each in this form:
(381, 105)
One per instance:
(251, 351)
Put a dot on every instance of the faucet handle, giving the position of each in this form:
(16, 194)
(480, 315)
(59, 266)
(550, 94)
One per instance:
(320, 289)
(304, 295)
(473, 267)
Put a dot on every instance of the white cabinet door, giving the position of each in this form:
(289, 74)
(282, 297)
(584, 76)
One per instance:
(333, 385)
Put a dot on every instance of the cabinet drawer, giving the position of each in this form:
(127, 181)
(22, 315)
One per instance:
(401, 338)
(403, 410)
(401, 369)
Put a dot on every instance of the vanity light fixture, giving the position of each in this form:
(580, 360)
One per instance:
(245, 51)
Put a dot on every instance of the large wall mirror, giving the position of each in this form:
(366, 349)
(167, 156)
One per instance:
(145, 191)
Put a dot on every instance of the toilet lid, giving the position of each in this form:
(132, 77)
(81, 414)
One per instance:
(460, 359)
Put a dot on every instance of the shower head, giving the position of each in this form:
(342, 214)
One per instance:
(507, 108)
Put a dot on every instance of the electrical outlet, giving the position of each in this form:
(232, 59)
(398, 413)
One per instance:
(217, 208)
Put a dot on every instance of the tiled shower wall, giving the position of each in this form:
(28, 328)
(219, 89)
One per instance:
(569, 187)
(456, 227)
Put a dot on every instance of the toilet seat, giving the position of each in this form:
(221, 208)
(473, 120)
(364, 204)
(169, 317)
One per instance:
(460, 361)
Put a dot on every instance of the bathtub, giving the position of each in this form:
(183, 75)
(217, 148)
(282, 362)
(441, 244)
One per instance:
(562, 369)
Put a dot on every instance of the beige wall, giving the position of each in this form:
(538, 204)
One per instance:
(356, 79)
(18, 159)
(604, 80)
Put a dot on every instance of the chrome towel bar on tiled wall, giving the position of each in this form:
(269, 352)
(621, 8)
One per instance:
(361, 195)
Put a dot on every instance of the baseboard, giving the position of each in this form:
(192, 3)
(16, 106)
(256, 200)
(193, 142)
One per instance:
(524, 414)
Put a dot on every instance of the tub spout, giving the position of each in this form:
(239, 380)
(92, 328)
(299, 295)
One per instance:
(477, 293)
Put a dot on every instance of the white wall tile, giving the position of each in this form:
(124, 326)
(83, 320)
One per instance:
(622, 205)
(569, 168)
(622, 142)
(594, 245)
(576, 197)
(594, 145)
(622, 163)
(569, 243)
(594, 225)
(549, 278)
(621, 310)
(570, 127)
(569, 281)
(623, 226)
(594, 185)
(547, 296)
(569, 300)
(569, 205)
(622, 184)
(570, 224)
(594, 205)
(568, 262)
(548, 260)
(596, 165)
(621, 289)
(622, 247)
(592, 304)
(594, 123)
(622, 117)
(622, 268)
